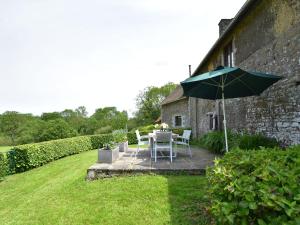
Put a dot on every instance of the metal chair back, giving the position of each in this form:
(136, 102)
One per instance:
(186, 134)
(163, 137)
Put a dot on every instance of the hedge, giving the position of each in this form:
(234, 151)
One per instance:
(3, 166)
(28, 156)
(256, 187)
(131, 137)
(97, 141)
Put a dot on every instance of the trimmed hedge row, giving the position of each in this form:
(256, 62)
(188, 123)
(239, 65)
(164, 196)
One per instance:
(256, 187)
(3, 166)
(25, 157)
(131, 137)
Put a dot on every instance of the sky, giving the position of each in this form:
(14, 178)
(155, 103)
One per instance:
(61, 54)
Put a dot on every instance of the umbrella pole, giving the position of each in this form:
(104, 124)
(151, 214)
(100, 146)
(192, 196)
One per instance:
(224, 120)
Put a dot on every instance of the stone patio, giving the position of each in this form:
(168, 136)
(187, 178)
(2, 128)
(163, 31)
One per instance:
(130, 164)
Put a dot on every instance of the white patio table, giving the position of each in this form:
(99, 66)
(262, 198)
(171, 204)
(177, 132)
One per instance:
(152, 140)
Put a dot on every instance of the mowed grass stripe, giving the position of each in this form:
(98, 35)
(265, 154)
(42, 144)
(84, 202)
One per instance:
(57, 193)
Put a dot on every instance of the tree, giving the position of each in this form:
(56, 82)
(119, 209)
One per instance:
(148, 102)
(10, 124)
(51, 116)
(56, 129)
(81, 111)
(77, 119)
(110, 116)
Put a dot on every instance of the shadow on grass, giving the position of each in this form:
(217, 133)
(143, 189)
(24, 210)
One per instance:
(187, 198)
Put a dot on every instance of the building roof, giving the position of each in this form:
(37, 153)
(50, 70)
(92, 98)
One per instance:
(246, 8)
(175, 95)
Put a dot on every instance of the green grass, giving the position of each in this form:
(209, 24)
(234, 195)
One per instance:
(135, 146)
(57, 193)
(4, 148)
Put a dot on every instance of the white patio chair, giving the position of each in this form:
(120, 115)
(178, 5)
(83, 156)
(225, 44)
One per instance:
(141, 140)
(163, 140)
(185, 141)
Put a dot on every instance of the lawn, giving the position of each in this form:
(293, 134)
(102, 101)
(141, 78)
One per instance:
(57, 193)
(4, 148)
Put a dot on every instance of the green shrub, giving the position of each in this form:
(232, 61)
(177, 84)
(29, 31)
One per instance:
(257, 141)
(119, 136)
(98, 141)
(215, 141)
(179, 130)
(131, 137)
(3, 166)
(145, 129)
(25, 157)
(256, 187)
(11, 161)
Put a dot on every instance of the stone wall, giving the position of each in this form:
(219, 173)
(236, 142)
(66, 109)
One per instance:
(267, 40)
(178, 108)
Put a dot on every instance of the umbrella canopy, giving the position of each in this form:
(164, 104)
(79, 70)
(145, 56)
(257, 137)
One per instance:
(227, 82)
(235, 82)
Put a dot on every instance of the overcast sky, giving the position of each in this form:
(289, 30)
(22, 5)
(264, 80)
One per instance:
(58, 54)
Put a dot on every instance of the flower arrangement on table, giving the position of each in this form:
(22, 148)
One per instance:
(162, 126)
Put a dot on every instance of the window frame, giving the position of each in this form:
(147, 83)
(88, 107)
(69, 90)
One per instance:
(181, 120)
(228, 55)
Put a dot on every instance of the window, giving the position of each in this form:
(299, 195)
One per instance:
(178, 121)
(228, 55)
(213, 121)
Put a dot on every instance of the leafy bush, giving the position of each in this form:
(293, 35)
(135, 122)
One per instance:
(145, 129)
(119, 136)
(131, 137)
(11, 162)
(256, 187)
(25, 157)
(3, 166)
(98, 141)
(256, 141)
(215, 141)
(179, 130)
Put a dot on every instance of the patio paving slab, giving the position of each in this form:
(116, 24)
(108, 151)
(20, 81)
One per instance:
(130, 163)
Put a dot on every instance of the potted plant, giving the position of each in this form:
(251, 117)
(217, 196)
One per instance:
(120, 137)
(108, 153)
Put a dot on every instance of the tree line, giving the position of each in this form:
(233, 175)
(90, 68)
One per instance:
(21, 128)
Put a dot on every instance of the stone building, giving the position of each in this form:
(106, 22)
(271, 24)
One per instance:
(175, 109)
(264, 36)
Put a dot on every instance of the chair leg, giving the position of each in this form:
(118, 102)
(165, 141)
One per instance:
(171, 153)
(190, 151)
(138, 149)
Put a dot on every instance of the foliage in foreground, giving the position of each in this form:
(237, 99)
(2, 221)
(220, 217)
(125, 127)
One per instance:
(57, 193)
(256, 187)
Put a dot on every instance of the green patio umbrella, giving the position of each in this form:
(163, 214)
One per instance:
(227, 82)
